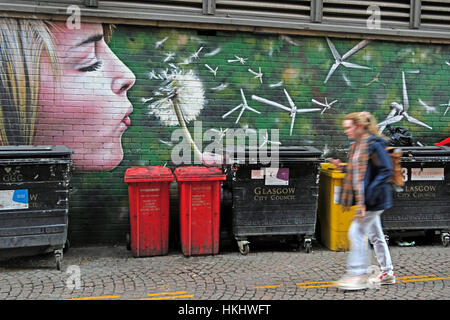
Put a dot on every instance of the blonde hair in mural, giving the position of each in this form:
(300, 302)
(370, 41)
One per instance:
(22, 43)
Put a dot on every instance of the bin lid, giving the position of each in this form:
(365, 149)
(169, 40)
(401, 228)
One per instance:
(428, 151)
(25, 151)
(285, 154)
(330, 170)
(148, 174)
(198, 173)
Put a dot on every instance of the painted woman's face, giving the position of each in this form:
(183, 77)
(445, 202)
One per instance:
(86, 108)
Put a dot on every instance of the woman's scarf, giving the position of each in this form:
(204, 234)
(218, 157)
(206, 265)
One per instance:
(347, 185)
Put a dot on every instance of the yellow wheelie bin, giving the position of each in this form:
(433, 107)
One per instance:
(333, 221)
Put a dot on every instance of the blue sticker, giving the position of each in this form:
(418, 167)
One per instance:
(21, 196)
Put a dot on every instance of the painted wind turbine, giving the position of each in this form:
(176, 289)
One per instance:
(326, 105)
(292, 110)
(400, 111)
(244, 106)
(446, 105)
(340, 60)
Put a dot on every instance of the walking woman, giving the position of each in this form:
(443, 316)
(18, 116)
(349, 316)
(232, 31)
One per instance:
(366, 185)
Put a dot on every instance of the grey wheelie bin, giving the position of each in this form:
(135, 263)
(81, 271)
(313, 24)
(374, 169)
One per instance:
(275, 201)
(424, 203)
(34, 200)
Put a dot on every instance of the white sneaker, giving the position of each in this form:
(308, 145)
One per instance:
(386, 277)
(353, 282)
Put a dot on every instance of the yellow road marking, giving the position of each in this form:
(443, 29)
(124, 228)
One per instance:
(268, 287)
(166, 293)
(319, 286)
(424, 279)
(405, 279)
(169, 297)
(314, 282)
(93, 298)
(410, 277)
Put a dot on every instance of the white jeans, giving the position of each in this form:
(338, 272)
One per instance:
(359, 257)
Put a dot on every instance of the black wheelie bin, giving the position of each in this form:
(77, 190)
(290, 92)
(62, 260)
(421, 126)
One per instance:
(34, 200)
(275, 201)
(424, 203)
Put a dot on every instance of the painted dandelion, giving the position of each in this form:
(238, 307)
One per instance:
(181, 99)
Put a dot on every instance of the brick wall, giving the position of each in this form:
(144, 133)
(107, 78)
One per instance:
(205, 74)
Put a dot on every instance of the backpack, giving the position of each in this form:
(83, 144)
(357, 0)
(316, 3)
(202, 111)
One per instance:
(397, 181)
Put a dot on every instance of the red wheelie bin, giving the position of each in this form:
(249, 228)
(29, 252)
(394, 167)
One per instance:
(148, 191)
(199, 196)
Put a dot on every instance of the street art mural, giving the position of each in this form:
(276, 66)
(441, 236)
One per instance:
(116, 94)
(64, 87)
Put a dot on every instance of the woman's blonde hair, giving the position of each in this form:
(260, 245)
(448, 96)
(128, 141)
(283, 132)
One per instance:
(23, 41)
(367, 120)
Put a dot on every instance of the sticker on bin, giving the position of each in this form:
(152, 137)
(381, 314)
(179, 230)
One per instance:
(337, 194)
(277, 177)
(13, 199)
(258, 174)
(427, 174)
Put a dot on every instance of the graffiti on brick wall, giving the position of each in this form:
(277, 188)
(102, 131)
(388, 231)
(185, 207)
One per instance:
(63, 86)
(72, 87)
(302, 86)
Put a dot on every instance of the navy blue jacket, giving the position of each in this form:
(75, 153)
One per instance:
(377, 189)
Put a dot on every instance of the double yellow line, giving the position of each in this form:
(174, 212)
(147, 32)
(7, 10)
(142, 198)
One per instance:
(406, 279)
(168, 295)
(152, 296)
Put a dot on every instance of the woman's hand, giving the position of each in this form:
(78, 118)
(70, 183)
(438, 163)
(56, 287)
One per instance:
(336, 162)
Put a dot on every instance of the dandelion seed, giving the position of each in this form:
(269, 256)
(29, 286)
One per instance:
(214, 71)
(195, 55)
(169, 56)
(274, 85)
(238, 59)
(220, 87)
(186, 61)
(257, 74)
(160, 43)
(213, 53)
(146, 100)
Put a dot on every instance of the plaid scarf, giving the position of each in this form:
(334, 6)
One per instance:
(349, 191)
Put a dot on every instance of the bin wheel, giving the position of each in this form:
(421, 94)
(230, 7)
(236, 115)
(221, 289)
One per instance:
(128, 241)
(244, 247)
(58, 263)
(445, 239)
(58, 259)
(308, 247)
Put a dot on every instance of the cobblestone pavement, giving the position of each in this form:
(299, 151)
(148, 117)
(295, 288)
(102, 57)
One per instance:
(276, 272)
